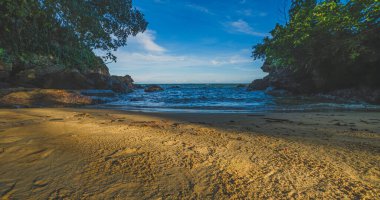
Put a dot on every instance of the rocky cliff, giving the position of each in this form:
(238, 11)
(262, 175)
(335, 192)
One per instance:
(44, 72)
(283, 81)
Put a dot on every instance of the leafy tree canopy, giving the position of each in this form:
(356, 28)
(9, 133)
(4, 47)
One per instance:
(338, 40)
(68, 29)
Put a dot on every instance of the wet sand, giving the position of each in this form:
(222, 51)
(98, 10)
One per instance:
(101, 154)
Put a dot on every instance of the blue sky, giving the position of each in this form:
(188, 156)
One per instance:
(198, 41)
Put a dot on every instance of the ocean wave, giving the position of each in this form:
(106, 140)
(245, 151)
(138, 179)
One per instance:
(226, 98)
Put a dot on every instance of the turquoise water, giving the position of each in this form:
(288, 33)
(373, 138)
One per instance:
(226, 98)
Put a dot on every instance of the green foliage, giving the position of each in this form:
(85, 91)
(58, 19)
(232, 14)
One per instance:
(338, 40)
(68, 30)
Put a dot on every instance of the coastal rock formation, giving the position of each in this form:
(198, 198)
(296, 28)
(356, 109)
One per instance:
(283, 81)
(122, 83)
(358, 94)
(153, 88)
(43, 98)
(45, 74)
(283, 78)
(259, 84)
(98, 93)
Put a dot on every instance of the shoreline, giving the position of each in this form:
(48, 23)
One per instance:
(95, 153)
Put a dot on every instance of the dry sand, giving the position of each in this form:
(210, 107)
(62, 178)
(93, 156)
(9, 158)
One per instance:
(102, 154)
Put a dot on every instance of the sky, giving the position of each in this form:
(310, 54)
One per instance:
(198, 41)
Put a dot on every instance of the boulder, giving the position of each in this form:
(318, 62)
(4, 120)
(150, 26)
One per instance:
(123, 84)
(259, 84)
(43, 97)
(284, 79)
(44, 72)
(366, 94)
(99, 81)
(153, 88)
(4, 85)
(72, 79)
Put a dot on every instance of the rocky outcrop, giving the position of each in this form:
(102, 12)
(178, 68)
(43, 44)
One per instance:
(259, 84)
(283, 81)
(98, 93)
(45, 74)
(122, 83)
(366, 94)
(153, 88)
(43, 98)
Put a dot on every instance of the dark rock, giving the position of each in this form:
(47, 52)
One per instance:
(258, 84)
(5, 70)
(241, 86)
(277, 92)
(65, 80)
(174, 87)
(123, 84)
(44, 97)
(366, 94)
(284, 79)
(98, 93)
(4, 85)
(42, 72)
(153, 88)
(73, 79)
(99, 81)
(4, 75)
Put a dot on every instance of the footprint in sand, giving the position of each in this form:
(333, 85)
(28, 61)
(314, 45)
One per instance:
(46, 153)
(169, 142)
(38, 153)
(122, 152)
(56, 119)
(40, 183)
(82, 115)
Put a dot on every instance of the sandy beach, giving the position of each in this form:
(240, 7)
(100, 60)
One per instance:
(55, 153)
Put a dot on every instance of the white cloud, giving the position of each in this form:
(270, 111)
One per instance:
(147, 41)
(200, 8)
(251, 13)
(148, 62)
(242, 26)
(146, 67)
(234, 59)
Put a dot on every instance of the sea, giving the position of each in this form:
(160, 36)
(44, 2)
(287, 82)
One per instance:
(227, 98)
